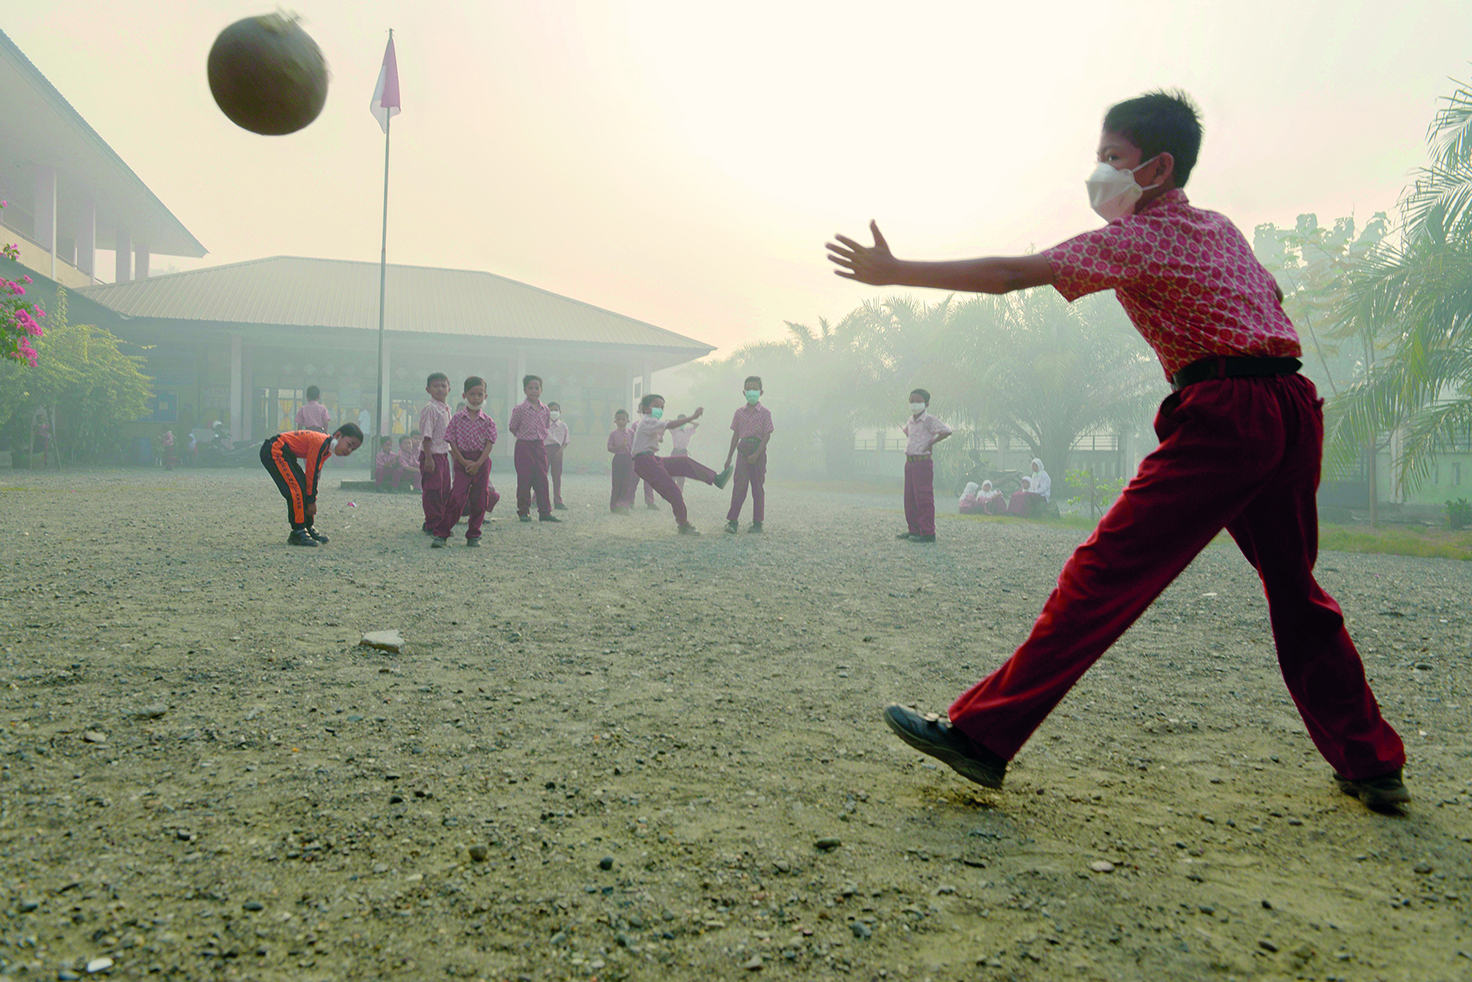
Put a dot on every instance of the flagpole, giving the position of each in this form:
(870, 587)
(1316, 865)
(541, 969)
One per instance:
(383, 426)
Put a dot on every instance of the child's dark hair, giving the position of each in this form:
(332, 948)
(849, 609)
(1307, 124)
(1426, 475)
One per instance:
(529, 379)
(436, 377)
(472, 382)
(386, 441)
(644, 402)
(349, 429)
(406, 437)
(753, 378)
(1160, 122)
(313, 393)
(555, 405)
(922, 394)
(621, 412)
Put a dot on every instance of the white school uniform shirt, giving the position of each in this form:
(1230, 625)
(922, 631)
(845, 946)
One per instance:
(921, 430)
(648, 433)
(1042, 484)
(680, 438)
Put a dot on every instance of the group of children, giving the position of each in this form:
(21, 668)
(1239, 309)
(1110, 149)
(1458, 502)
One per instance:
(983, 499)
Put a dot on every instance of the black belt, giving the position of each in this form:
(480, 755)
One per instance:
(1235, 367)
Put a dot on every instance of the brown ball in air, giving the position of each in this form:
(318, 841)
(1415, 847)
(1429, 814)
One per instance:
(267, 75)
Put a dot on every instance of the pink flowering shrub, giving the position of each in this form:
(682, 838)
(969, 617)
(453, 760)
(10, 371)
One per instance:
(19, 317)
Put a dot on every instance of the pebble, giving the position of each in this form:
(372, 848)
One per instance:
(92, 736)
(605, 863)
(252, 905)
(390, 641)
(754, 963)
(1102, 866)
(1423, 867)
(828, 843)
(99, 965)
(151, 712)
(479, 853)
(66, 975)
(861, 930)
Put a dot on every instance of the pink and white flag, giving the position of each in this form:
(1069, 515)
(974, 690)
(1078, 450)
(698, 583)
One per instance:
(386, 93)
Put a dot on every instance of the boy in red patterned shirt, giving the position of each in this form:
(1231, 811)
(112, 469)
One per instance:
(1240, 445)
(471, 435)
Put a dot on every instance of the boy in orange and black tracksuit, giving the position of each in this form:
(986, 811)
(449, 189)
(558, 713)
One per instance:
(298, 486)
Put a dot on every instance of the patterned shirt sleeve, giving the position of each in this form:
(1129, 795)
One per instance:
(1102, 259)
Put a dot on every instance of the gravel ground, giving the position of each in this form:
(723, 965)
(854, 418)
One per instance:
(611, 752)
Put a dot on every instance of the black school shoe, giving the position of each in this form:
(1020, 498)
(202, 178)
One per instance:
(905, 535)
(299, 537)
(548, 518)
(922, 538)
(723, 477)
(524, 518)
(732, 527)
(312, 531)
(688, 529)
(1385, 791)
(932, 735)
(560, 506)
(755, 527)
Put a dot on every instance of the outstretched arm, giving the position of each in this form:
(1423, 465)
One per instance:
(675, 424)
(877, 266)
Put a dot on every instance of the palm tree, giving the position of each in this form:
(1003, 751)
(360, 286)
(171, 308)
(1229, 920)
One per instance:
(1416, 299)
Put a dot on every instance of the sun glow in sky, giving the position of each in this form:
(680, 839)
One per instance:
(684, 162)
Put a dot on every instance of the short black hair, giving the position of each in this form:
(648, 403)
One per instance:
(436, 377)
(922, 394)
(1160, 122)
(313, 393)
(387, 439)
(472, 382)
(644, 402)
(529, 379)
(349, 429)
(753, 378)
(621, 412)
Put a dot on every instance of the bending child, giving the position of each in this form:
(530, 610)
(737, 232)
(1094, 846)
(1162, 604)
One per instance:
(298, 484)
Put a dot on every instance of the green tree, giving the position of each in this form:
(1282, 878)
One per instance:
(83, 380)
(1415, 299)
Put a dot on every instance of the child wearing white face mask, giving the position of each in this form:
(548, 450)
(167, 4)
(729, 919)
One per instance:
(1241, 441)
(556, 442)
(923, 431)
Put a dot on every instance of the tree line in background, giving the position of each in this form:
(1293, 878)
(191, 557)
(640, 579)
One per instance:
(1386, 324)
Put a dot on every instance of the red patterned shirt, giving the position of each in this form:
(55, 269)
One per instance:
(433, 419)
(313, 416)
(1187, 279)
(621, 442)
(386, 458)
(530, 422)
(470, 431)
(751, 421)
(410, 457)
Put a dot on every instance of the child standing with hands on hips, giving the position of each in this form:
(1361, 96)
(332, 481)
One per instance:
(922, 431)
(471, 435)
(1241, 439)
(751, 429)
(621, 445)
(557, 440)
(530, 423)
(434, 457)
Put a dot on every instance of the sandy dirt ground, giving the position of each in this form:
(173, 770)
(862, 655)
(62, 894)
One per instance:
(611, 752)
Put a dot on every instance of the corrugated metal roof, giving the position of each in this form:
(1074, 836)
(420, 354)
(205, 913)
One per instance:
(288, 291)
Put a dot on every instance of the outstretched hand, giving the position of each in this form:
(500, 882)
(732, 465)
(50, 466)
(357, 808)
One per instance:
(874, 264)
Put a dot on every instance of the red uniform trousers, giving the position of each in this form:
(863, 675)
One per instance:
(920, 495)
(754, 476)
(471, 495)
(1237, 453)
(622, 493)
(434, 490)
(660, 473)
(531, 476)
(393, 475)
(554, 470)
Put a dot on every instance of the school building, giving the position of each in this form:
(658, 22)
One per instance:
(241, 343)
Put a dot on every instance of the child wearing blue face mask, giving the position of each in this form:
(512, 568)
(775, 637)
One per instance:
(1241, 441)
(751, 429)
(659, 472)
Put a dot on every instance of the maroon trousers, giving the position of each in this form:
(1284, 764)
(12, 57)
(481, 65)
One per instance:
(393, 475)
(434, 489)
(920, 496)
(1241, 454)
(754, 476)
(471, 495)
(554, 470)
(660, 473)
(622, 493)
(531, 476)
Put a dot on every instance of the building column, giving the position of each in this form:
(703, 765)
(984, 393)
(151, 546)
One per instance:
(648, 377)
(123, 250)
(45, 211)
(386, 423)
(248, 399)
(87, 241)
(140, 262)
(236, 386)
(515, 368)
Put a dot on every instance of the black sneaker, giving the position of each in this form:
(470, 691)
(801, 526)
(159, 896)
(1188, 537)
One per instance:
(548, 518)
(755, 527)
(905, 535)
(732, 527)
(312, 531)
(473, 543)
(1385, 791)
(439, 542)
(930, 734)
(426, 530)
(922, 538)
(723, 477)
(299, 537)
(688, 529)
(560, 506)
(524, 518)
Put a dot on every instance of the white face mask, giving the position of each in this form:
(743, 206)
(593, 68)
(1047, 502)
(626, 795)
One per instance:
(555, 414)
(917, 408)
(1114, 192)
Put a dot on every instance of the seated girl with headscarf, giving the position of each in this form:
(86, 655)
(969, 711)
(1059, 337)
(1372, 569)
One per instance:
(1036, 491)
(991, 500)
(969, 504)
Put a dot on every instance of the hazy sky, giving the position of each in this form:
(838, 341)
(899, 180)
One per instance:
(683, 161)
